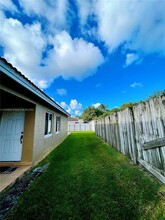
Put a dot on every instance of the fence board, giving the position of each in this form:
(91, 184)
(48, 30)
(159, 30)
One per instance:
(81, 126)
(138, 132)
(155, 143)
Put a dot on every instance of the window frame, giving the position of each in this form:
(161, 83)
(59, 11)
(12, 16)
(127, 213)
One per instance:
(48, 131)
(58, 126)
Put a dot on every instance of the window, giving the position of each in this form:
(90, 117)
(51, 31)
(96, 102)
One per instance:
(58, 123)
(48, 123)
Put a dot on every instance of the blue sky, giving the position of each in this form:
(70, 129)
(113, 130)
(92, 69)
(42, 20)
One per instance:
(87, 52)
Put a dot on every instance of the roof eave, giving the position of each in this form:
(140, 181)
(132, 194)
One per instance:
(13, 73)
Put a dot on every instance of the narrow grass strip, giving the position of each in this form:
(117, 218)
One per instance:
(87, 179)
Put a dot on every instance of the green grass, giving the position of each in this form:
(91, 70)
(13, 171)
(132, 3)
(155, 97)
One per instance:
(87, 179)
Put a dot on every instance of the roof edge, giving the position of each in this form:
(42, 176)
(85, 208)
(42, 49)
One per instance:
(16, 75)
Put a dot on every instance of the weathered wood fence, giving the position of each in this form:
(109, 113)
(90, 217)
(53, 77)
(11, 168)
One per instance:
(139, 133)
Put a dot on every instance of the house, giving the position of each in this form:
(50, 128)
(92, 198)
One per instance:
(31, 123)
(72, 120)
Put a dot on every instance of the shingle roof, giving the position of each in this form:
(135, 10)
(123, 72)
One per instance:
(32, 85)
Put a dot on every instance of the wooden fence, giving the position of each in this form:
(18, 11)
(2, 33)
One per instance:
(139, 133)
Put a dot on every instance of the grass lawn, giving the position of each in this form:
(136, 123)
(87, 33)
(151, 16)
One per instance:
(87, 179)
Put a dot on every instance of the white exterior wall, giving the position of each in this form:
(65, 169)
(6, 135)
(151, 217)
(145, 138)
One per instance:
(43, 145)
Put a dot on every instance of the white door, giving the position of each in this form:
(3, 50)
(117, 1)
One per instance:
(11, 129)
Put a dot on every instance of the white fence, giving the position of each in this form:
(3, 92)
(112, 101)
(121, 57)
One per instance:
(81, 126)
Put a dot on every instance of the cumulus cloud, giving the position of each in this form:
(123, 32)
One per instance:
(85, 10)
(139, 25)
(86, 15)
(136, 26)
(54, 11)
(73, 58)
(24, 46)
(96, 105)
(136, 84)
(61, 92)
(44, 50)
(64, 105)
(74, 107)
(7, 5)
(43, 84)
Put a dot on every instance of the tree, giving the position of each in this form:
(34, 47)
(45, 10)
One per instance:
(103, 107)
(88, 114)
(91, 112)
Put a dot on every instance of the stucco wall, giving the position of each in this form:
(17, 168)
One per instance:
(43, 145)
(35, 145)
(27, 149)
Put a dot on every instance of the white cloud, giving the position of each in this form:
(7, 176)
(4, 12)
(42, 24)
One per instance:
(24, 46)
(43, 84)
(131, 58)
(54, 11)
(86, 16)
(137, 24)
(135, 85)
(114, 22)
(69, 110)
(77, 113)
(64, 105)
(61, 92)
(96, 105)
(74, 107)
(7, 5)
(73, 58)
(85, 9)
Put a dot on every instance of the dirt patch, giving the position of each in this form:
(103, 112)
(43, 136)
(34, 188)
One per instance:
(9, 199)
